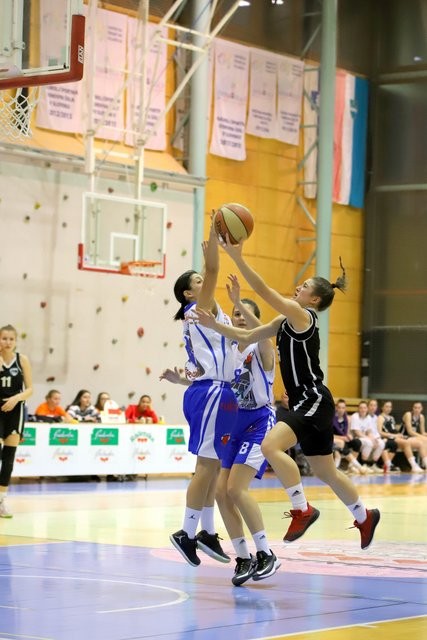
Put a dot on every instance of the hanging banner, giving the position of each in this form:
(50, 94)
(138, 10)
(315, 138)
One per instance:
(109, 75)
(350, 139)
(231, 94)
(150, 125)
(311, 115)
(60, 106)
(262, 117)
(290, 81)
(182, 108)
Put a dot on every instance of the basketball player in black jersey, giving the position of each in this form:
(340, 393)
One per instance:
(15, 387)
(309, 421)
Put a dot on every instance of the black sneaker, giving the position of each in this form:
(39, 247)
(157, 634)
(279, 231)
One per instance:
(245, 569)
(209, 543)
(186, 547)
(267, 565)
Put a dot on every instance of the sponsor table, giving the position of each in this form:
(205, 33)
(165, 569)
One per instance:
(100, 449)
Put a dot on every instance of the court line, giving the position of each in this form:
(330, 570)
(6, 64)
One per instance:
(372, 623)
(182, 595)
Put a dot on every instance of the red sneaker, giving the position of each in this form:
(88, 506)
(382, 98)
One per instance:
(301, 520)
(367, 528)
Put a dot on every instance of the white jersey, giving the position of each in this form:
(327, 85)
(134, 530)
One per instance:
(360, 424)
(252, 385)
(211, 356)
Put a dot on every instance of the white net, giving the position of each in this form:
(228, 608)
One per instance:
(16, 107)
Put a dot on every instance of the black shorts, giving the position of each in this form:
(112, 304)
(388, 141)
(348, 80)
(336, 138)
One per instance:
(311, 420)
(12, 421)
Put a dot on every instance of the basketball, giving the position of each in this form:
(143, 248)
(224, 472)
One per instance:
(234, 220)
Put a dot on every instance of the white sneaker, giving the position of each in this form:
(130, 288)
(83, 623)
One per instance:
(353, 469)
(417, 469)
(368, 469)
(4, 511)
(376, 469)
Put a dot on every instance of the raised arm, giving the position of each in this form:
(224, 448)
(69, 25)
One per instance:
(242, 336)
(266, 349)
(298, 317)
(206, 298)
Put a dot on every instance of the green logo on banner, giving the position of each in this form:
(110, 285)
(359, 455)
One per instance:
(29, 437)
(63, 435)
(105, 435)
(175, 436)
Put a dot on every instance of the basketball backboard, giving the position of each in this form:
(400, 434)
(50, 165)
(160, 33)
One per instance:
(123, 235)
(41, 42)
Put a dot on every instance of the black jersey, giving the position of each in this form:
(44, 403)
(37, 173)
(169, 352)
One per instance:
(11, 379)
(415, 423)
(299, 357)
(390, 425)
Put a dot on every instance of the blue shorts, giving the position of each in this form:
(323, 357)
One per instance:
(244, 446)
(210, 408)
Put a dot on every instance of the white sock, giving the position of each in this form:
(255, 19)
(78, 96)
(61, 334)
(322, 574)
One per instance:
(356, 463)
(387, 464)
(191, 521)
(207, 519)
(261, 543)
(358, 510)
(241, 547)
(412, 462)
(297, 497)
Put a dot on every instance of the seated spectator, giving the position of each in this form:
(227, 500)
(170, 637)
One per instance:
(141, 412)
(344, 444)
(82, 409)
(51, 410)
(101, 400)
(361, 426)
(413, 422)
(408, 444)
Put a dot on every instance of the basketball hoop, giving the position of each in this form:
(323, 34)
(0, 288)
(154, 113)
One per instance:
(138, 268)
(16, 108)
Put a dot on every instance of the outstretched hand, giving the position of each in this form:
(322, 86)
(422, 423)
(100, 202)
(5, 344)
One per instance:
(171, 375)
(233, 289)
(205, 318)
(233, 250)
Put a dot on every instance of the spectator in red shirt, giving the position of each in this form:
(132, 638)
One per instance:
(141, 412)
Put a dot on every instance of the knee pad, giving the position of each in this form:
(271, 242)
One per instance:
(6, 467)
(346, 449)
(391, 445)
(355, 445)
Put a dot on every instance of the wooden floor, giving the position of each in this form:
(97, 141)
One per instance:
(93, 560)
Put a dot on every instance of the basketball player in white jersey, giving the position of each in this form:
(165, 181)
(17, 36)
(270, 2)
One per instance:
(15, 387)
(309, 421)
(242, 459)
(210, 406)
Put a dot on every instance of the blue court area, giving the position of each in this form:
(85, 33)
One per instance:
(59, 589)
(63, 590)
